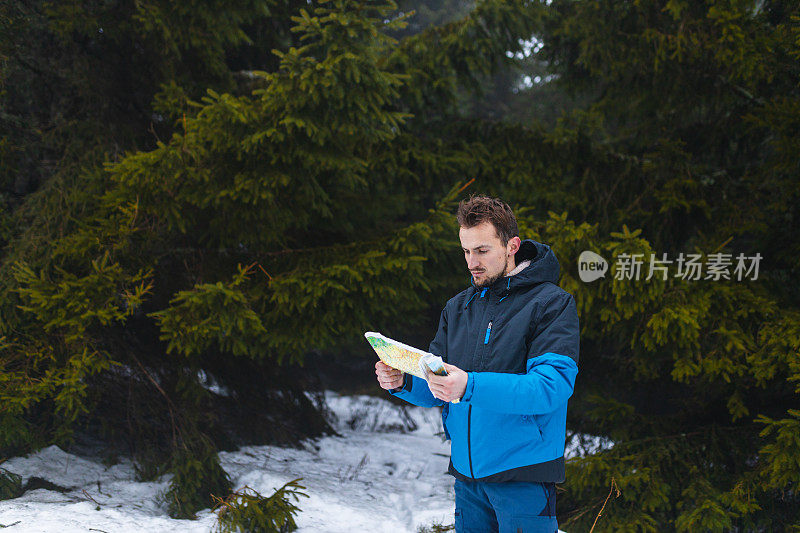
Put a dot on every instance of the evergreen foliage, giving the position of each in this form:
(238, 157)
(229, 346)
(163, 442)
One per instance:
(78, 78)
(685, 367)
(196, 477)
(435, 528)
(694, 381)
(298, 178)
(10, 485)
(248, 511)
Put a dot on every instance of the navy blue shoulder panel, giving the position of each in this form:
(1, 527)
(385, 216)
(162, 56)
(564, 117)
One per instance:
(556, 328)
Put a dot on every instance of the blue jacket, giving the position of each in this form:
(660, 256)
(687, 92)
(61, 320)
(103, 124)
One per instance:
(518, 341)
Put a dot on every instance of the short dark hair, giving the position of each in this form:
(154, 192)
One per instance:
(475, 210)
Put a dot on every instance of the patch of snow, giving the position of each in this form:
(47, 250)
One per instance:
(386, 472)
(208, 382)
(581, 445)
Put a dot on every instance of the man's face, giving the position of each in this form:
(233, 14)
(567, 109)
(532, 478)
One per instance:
(487, 257)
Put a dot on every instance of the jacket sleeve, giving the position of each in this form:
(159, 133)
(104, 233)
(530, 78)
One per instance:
(415, 390)
(551, 368)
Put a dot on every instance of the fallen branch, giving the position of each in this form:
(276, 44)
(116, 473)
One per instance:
(90, 497)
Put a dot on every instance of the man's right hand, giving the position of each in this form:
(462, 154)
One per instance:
(388, 377)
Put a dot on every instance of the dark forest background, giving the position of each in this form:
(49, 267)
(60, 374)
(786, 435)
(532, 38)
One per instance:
(204, 191)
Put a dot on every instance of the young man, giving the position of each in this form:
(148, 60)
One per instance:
(510, 344)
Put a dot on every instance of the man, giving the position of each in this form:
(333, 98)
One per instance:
(510, 344)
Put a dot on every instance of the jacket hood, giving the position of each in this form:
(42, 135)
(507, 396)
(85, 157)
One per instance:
(544, 267)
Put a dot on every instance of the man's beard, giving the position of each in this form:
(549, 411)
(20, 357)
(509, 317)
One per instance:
(488, 281)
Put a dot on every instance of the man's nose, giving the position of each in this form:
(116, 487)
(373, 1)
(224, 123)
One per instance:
(472, 262)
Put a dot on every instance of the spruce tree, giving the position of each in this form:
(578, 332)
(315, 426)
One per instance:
(684, 147)
(273, 221)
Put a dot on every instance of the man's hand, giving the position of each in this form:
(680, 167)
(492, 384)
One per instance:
(388, 377)
(450, 387)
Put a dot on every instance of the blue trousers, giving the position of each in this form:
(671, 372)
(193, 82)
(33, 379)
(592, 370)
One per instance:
(505, 507)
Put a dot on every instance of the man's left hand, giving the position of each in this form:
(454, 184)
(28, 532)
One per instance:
(448, 388)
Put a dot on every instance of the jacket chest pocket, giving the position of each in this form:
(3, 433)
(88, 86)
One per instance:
(504, 350)
(488, 334)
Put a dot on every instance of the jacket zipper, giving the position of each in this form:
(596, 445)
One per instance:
(469, 442)
(469, 412)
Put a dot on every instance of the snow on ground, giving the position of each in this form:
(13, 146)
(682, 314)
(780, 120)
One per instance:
(385, 473)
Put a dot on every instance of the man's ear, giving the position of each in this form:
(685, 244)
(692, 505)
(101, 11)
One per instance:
(515, 243)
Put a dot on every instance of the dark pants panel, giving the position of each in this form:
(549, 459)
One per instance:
(508, 507)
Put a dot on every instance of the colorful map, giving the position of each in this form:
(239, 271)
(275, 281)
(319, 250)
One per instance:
(396, 354)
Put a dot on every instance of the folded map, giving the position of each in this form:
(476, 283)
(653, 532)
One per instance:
(404, 357)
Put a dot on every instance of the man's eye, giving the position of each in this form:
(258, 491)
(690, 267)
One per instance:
(482, 252)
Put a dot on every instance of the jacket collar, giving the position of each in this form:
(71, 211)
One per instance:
(542, 266)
